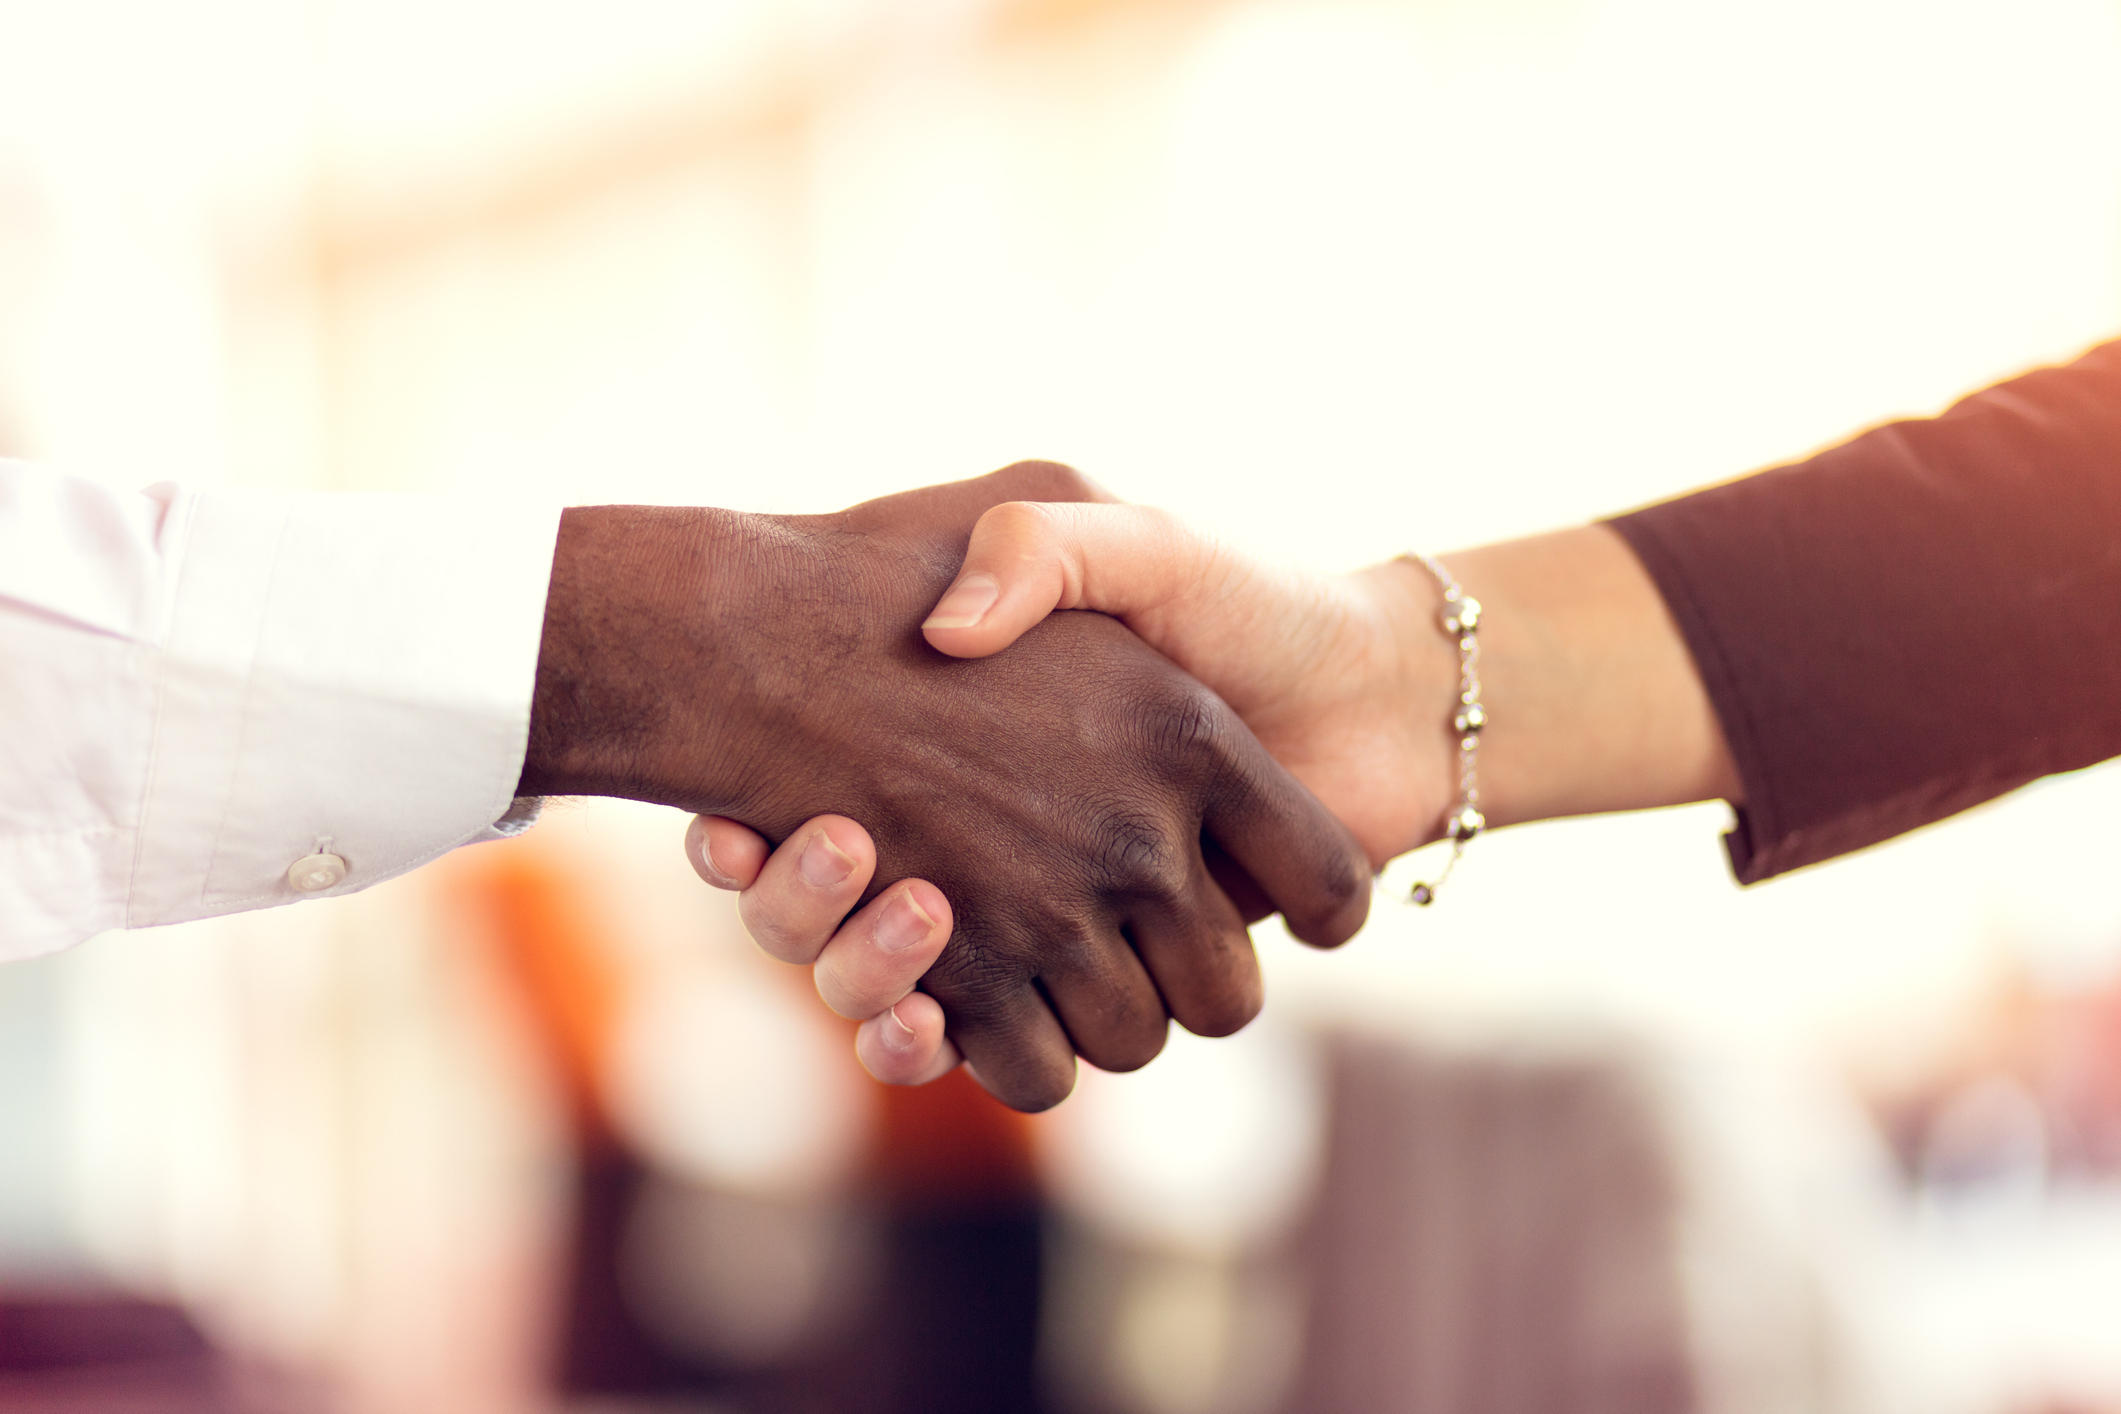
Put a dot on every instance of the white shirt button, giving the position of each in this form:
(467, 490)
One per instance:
(314, 873)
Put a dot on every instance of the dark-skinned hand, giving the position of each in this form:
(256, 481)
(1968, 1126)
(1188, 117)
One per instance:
(1076, 798)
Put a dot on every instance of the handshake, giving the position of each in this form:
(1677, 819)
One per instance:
(1058, 824)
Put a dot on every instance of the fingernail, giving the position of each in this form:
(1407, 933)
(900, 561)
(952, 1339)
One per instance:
(895, 1034)
(967, 602)
(824, 864)
(905, 924)
(715, 872)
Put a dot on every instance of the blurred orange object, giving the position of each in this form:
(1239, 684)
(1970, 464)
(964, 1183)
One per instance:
(570, 981)
(950, 1144)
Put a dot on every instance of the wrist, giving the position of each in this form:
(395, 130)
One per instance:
(1421, 693)
(1593, 698)
(625, 617)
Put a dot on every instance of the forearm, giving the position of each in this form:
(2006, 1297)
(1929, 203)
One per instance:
(1846, 648)
(1913, 622)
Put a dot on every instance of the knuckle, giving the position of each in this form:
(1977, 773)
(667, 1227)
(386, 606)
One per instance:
(1184, 722)
(1340, 896)
(887, 1067)
(1023, 529)
(1137, 1044)
(1134, 851)
(834, 991)
(1041, 1091)
(1228, 1011)
(1049, 481)
(1164, 526)
(973, 979)
(854, 985)
(1349, 884)
(776, 936)
(1213, 980)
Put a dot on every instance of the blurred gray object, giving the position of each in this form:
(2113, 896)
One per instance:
(1493, 1236)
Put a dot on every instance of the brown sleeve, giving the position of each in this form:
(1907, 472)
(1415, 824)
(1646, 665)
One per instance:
(1913, 622)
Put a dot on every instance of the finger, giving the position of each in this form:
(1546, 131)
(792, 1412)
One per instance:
(1028, 559)
(1303, 859)
(724, 853)
(807, 886)
(1201, 956)
(1001, 1023)
(905, 1044)
(1042, 481)
(1243, 890)
(876, 956)
(1113, 1012)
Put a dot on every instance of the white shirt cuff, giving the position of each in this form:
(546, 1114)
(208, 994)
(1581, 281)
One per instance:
(345, 675)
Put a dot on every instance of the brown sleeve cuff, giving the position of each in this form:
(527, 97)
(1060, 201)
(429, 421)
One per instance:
(1911, 623)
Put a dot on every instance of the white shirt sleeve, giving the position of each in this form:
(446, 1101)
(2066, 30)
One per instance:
(198, 691)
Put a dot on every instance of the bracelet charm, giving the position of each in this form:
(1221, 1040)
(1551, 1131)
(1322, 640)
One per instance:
(1460, 619)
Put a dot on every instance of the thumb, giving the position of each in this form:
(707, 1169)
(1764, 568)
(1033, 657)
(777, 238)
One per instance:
(1029, 558)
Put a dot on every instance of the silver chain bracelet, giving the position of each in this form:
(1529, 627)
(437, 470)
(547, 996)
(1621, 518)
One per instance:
(1460, 618)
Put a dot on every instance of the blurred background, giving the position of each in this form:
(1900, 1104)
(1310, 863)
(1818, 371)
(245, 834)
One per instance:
(536, 1129)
